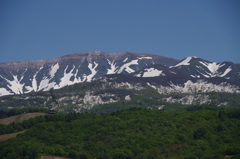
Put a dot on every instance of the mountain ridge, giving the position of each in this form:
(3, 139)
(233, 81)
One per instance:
(30, 63)
(24, 77)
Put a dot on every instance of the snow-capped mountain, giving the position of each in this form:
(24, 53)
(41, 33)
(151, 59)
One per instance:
(43, 75)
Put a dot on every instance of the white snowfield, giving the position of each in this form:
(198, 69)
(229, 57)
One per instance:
(150, 72)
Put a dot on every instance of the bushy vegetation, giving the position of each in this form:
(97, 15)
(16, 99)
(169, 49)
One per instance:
(130, 133)
(232, 99)
(12, 112)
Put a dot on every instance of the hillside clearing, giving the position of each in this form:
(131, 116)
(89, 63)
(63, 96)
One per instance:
(51, 157)
(8, 136)
(19, 118)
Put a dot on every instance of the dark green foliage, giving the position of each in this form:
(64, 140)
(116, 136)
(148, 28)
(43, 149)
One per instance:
(132, 133)
(235, 114)
(53, 96)
(204, 107)
(199, 133)
(12, 112)
(233, 99)
(135, 102)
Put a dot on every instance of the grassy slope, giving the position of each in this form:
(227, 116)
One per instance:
(51, 157)
(8, 136)
(19, 118)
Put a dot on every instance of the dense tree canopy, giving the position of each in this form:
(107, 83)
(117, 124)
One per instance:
(131, 133)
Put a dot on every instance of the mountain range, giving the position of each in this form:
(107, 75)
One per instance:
(83, 81)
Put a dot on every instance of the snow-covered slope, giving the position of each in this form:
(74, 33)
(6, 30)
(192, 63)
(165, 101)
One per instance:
(193, 67)
(199, 68)
(34, 76)
(152, 71)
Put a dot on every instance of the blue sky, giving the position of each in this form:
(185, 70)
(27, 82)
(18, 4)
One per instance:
(45, 29)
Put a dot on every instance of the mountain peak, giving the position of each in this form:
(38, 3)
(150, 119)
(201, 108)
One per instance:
(185, 61)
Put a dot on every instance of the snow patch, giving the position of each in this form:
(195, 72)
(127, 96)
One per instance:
(125, 59)
(113, 68)
(93, 70)
(4, 91)
(54, 70)
(128, 98)
(140, 58)
(213, 68)
(152, 72)
(34, 81)
(184, 62)
(15, 85)
(195, 76)
(126, 66)
(65, 80)
(226, 71)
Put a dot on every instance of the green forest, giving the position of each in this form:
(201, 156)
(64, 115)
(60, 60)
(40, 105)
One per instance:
(135, 133)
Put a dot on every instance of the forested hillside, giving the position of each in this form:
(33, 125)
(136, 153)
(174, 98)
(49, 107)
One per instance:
(130, 133)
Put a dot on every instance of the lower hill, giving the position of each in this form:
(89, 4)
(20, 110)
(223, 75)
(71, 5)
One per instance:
(130, 133)
(11, 135)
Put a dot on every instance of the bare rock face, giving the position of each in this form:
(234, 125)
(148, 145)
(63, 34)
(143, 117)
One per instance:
(43, 75)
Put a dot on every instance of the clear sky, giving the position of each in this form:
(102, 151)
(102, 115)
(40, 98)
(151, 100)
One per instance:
(45, 29)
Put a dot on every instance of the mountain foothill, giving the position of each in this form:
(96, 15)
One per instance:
(83, 81)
